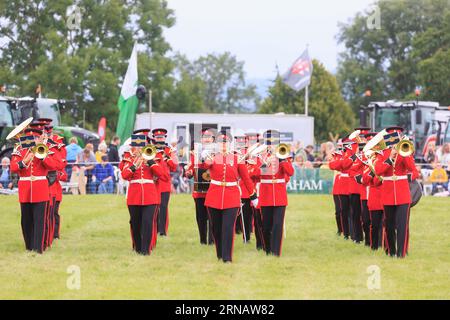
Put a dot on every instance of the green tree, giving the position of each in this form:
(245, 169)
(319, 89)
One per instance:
(326, 104)
(388, 60)
(224, 78)
(86, 63)
(187, 96)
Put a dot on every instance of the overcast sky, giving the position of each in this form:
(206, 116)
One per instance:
(262, 33)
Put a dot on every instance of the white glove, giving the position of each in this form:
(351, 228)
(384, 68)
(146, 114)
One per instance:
(255, 203)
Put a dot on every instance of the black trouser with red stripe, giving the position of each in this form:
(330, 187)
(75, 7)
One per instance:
(345, 214)
(273, 221)
(142, 223)
(57, 220)
(338, 213)
(365, 218)
(246, 215)
(203, 223)
(259, 235)
(223, 224)
(355, 203)
(376, 229)
(163, 215)
(50, 221)
(33, 224)
(397, 225)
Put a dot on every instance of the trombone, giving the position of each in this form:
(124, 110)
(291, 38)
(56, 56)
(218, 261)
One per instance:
(405, 147)
(40, 151)
(283, 151)
(149, 152)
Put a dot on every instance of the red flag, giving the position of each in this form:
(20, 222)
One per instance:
(102, 129)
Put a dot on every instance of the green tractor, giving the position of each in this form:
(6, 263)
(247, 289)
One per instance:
(419, 119)
(15, 110)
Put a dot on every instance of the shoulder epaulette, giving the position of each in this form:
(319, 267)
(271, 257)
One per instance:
(16, 153)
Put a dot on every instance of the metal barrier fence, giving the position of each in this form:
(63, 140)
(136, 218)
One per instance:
(97, 178)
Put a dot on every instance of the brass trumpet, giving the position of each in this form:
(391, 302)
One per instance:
(40, 151)
(405, 147)
(283, 151)
(149, 152)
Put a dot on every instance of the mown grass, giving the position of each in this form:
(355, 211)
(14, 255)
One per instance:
(316, 264)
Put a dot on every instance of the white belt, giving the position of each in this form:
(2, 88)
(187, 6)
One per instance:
(273, 181)
(345, 175)
(395, 178)
(33, 178)
(142, 181)
(224, 183)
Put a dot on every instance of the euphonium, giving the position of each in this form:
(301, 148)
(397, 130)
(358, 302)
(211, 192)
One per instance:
(149, 152)
(40, 150)
(405, 147)
(283, 151)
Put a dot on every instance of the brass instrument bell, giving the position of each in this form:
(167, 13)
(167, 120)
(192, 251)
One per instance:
(40, 150)
(149, 152)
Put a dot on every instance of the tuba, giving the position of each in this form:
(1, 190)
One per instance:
(149, 152)
(283, 151)
(40, 151)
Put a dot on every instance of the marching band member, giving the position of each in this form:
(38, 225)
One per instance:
(223, 196)
(168, 164)
(55, 144)
(334, 164)
(361, 221)
(274, 174)
(396, 170)
(198, 170)
(253, 164)
(143, 198)
(32, 161)
(374, 201)
(361, 166)
(49, 229)
(245, 221)
(343, 164)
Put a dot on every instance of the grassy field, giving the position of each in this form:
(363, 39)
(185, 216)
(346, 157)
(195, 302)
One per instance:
(316, 264)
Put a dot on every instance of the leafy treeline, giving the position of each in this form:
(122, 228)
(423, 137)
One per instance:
(87, 63)
(41, 44)
(410, 49)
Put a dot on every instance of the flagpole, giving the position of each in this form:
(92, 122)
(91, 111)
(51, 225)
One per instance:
(306, 100)
(150, 107)
(307, 90)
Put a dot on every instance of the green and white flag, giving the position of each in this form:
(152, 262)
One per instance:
(128, 102)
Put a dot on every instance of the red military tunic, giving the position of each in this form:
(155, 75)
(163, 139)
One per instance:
(60, 150)
(33, 183)
(142, 190)
(395, 188)
(167, 166)
(356, 172)
(225, 169)
(345, 181)
(244, 191)
(190, 172)
(272, 190)
(335, 164)
(253, 168)
(374, 196)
